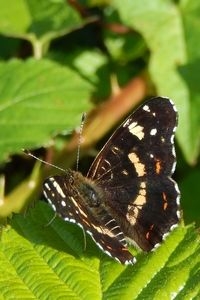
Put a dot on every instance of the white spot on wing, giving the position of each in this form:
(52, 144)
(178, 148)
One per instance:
(153, 131)
(172, 139)
(178, 200)
(143, 185)
(173, 227)
(127, 122)
(47, 186)
(58, 189)
(136, 130)
(162, 139)
(155, 247)
(165, 235)
(173, 167)
(125, 172)
(172, 103)
(146, 108)
(139, 167)
(45, 194)
(63, 203)
(178, 214)
(53, 206)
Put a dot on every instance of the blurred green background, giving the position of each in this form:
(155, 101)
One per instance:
(60, 58)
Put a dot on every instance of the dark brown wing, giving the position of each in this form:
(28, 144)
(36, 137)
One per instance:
(74, 200)
(134, 169)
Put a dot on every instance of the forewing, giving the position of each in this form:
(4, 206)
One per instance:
(134, 169)
(143, 145)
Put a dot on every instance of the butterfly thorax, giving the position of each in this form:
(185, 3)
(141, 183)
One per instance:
(80, 200)
(80, 194)
(85, 189)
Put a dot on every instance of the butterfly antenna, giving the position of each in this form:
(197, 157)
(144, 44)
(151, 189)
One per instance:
(77, 163)
(42, 161)
(80, 139)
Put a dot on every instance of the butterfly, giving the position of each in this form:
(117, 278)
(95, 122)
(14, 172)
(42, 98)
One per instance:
(128, 193)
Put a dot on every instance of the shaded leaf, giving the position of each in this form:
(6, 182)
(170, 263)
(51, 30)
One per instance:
(28, 18)
(37, 21)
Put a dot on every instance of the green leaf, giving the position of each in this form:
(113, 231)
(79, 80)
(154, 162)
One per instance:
(37, 21)
(161, 25)
(46, 260)
(189, 185)
(38, 99)
(94, 66)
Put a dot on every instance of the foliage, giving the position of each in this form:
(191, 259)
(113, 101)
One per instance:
(58, 60)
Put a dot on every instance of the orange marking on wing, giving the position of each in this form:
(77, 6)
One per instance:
(165, 204)
(158, 166)
(148, 232)
(108, 247)
(147, 235)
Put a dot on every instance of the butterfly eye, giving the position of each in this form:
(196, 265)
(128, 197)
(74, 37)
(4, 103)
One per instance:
(94, 199)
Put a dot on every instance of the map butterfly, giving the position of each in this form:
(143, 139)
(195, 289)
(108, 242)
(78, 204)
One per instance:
(128, 193)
